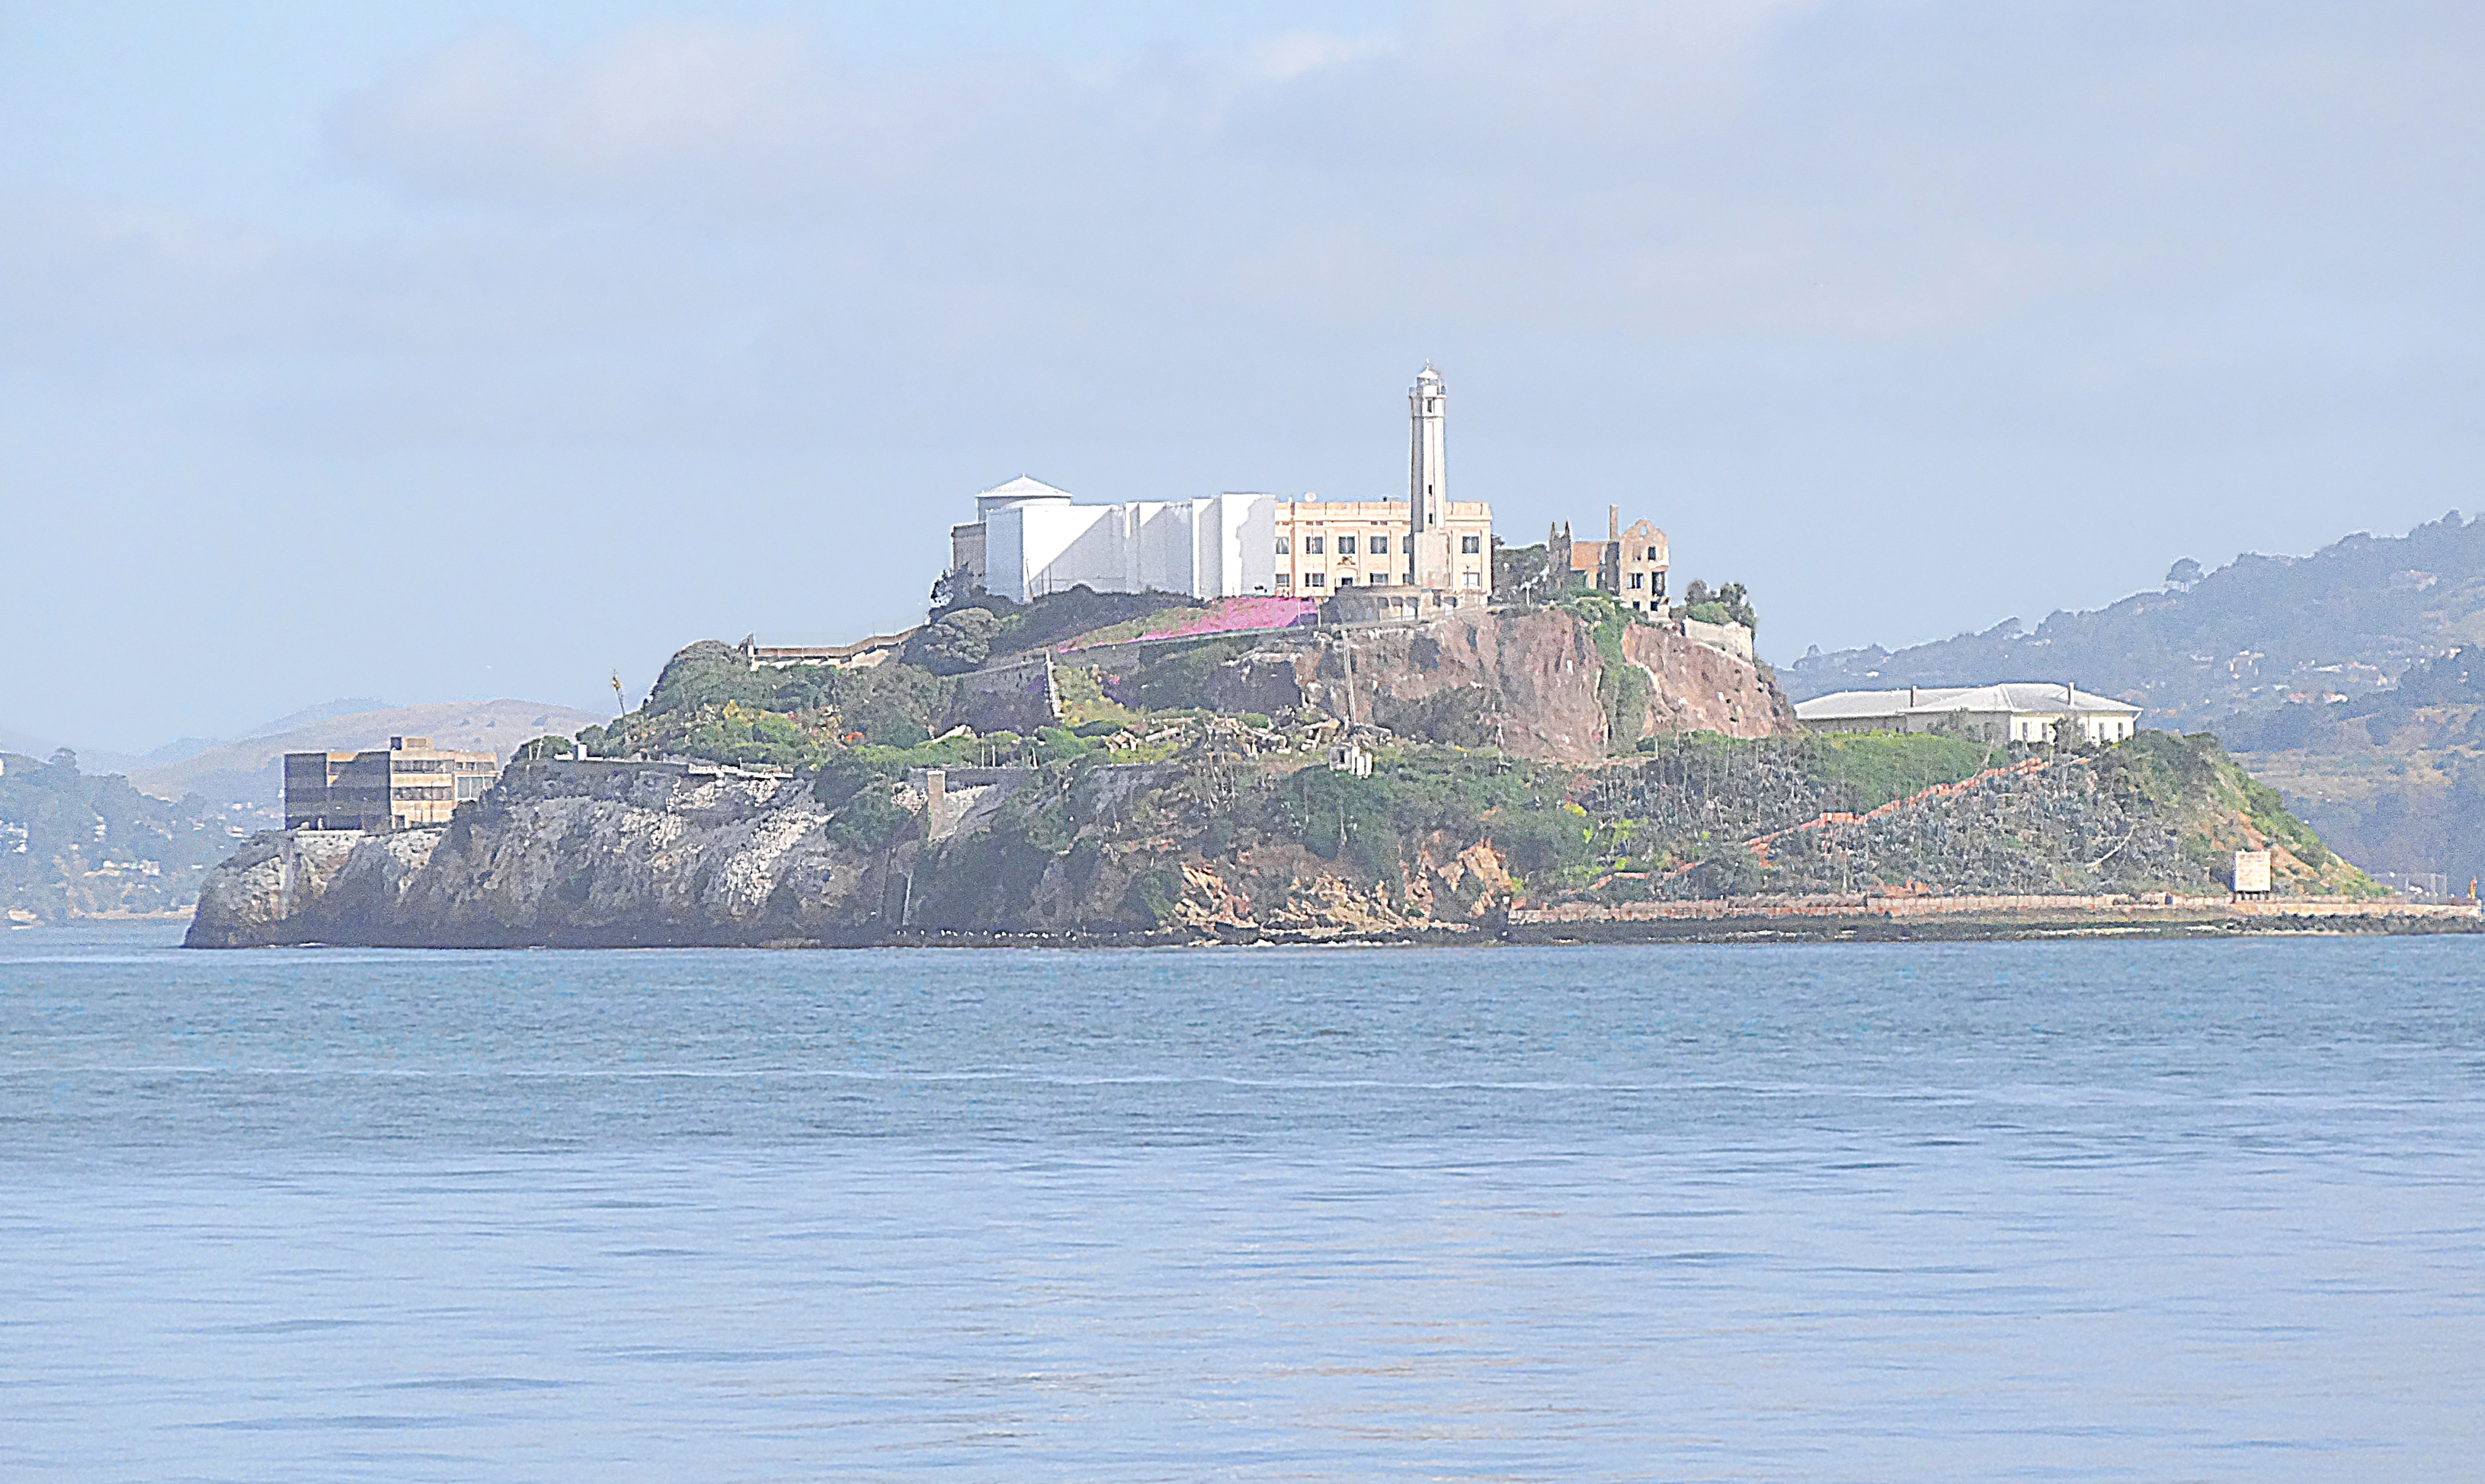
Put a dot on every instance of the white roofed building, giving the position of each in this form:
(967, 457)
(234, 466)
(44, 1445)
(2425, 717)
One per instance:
(2015, 711)
(1028, 539)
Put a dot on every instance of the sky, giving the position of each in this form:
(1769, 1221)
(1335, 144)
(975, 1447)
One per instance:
(452, 350)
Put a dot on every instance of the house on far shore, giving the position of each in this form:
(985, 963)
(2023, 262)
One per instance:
(2020, 712)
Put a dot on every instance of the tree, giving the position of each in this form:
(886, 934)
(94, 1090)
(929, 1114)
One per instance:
(2184, 575)
(1728, 604)
(955, 586)
(961, 642)
(1738, 605)
(1519, 570)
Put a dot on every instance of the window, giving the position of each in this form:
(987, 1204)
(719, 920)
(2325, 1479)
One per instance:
(1316, 578)
(1470, 546)
(1285, 546)
(1638, 579)
(1381, 546)
(1470, 578)
(1285, 579)
(1345, 579)
(1652, 553)
(1346, 546)
(1314, 545)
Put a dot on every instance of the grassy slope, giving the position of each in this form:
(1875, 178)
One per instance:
(2161, 813)
(2158, 813)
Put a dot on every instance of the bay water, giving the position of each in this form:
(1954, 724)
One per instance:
(2137, 1210)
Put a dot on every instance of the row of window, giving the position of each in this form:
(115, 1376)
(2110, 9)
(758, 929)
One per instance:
(1286, 580)
(1376, 546)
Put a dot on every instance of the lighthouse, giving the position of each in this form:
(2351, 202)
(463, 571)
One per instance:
(1428, 470)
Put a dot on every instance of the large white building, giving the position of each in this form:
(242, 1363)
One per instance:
(1028, 538)
(2017, 712)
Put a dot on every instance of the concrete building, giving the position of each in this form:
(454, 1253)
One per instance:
(2021, 711)
(1028, 538)
(409, 784)
(1629, 564)
(1325, 545)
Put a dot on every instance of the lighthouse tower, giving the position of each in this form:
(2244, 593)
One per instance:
(1428, 465)
(1428, 484)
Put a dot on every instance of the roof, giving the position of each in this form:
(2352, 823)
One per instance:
(1024, 487)
(2015, 697)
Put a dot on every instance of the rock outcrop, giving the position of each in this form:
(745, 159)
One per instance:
(1534, 684)
(639, 854)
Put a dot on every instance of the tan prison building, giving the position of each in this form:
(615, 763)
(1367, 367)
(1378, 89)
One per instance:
(1427, 541)
(409, 784)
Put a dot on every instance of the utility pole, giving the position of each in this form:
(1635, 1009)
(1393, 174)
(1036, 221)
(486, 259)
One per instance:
(1346, 649)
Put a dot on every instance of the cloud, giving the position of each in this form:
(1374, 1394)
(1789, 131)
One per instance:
(660, 103)
(1866, 301)
(1450, 163)
(1811, 169)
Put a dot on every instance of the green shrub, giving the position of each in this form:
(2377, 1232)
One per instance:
(960, 641)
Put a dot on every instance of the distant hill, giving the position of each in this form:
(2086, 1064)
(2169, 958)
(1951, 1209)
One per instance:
(100, 761)
(2229, 651)
(349, 705)
(2339, 678)
(78, 845)
(251, 771)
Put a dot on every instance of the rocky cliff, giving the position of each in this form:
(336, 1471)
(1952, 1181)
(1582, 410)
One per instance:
(1570, 684)
(1230, 840)
(1545, 683)
(616, 854)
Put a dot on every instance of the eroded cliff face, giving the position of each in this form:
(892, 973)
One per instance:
(1535, 684)
(621, 854)
(1694, 688)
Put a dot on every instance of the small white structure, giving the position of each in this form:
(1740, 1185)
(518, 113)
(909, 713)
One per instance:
(2018, 711)
(2252, 873)
(1028, 539)
(1348, 758)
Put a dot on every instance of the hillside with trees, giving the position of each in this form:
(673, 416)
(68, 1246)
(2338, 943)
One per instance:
(2339, 678)
(79, 845)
